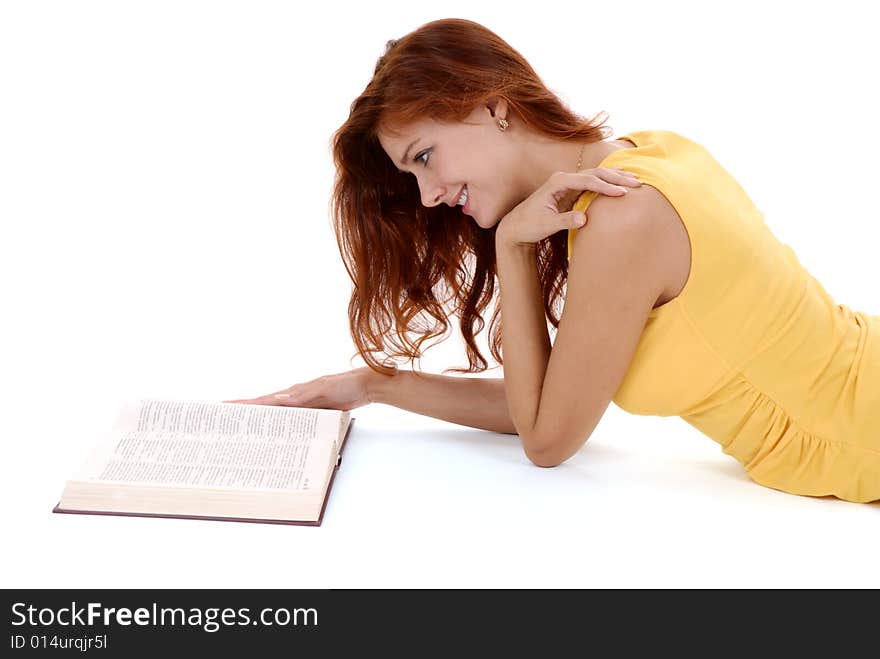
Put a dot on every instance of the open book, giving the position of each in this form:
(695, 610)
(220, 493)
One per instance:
(210, 460)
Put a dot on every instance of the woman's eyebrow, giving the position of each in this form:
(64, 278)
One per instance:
(406, 153)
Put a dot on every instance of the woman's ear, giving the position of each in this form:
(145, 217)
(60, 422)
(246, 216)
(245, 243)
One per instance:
(497, 108)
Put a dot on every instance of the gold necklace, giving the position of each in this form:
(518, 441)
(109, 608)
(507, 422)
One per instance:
(580, 157)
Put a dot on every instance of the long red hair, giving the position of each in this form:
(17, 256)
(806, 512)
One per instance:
(414, 266)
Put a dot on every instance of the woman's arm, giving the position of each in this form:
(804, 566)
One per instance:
(469, 401)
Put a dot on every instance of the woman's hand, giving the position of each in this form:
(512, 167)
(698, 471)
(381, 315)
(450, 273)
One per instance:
(340, 391)
(548, 209)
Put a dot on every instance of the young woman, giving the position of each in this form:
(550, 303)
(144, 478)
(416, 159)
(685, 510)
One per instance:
(457, 166)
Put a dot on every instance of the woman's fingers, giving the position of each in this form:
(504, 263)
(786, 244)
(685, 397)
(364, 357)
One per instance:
(283, 397)
(613, 181)
(627, 177)
(611, 177)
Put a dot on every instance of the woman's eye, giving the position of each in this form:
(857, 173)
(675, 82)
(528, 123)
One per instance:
(418, 158)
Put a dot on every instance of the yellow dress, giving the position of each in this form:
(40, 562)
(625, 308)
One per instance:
(753, 352)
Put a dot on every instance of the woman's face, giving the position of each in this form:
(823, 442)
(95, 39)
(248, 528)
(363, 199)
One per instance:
(446, 157)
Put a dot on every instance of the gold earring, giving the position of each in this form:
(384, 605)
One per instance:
(502, 124)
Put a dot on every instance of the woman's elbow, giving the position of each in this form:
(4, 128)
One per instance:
(542, 458)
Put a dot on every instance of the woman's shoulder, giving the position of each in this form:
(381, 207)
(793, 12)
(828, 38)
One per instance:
(652, 210)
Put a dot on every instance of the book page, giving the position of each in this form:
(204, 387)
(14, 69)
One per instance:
(217, 445)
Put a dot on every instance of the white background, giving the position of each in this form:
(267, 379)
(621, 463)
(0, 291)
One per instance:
(164, 184)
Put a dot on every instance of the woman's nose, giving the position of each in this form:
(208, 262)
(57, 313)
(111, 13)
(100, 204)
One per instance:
(433, 195)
